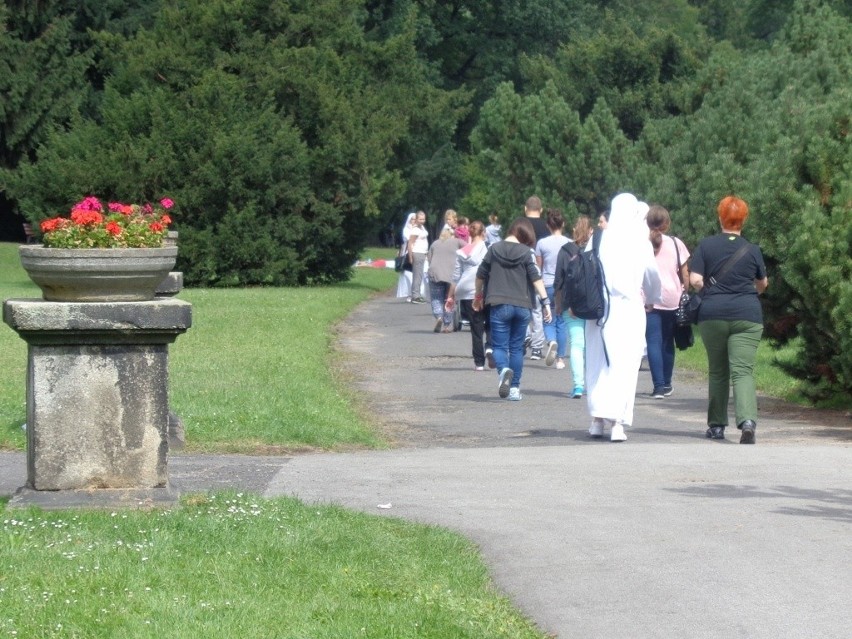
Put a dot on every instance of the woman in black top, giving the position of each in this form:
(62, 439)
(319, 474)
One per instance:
(730, 319)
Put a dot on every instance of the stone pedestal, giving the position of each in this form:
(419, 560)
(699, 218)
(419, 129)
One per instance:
(97, 393)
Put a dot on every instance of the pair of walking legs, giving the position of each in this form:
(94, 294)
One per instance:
(731, 350)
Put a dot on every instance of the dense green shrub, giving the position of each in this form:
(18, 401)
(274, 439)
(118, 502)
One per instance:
(272, 125)
(773, 127)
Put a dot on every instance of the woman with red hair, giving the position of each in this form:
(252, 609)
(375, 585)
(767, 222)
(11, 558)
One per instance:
(730, 319)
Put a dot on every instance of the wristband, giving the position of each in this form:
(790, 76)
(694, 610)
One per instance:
(545, 301)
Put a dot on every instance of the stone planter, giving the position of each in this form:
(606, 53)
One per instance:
(98, 275)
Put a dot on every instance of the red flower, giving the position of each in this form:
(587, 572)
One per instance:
(86, 217)
(156, 227)
(166, 220)
(52, 224)
(113, 228)
(118, 207)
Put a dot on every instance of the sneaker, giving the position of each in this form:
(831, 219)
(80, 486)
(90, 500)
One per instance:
(550, 355)
(658, 392)
(418, 300)
(577, 393)
(515, 394)
(489, 357)
(527, 342)
(596, 430)
(667, 391)
(617, 434)
(560, 365)
(438, 325)
(536, 353)
(479, 368)
(505, 379)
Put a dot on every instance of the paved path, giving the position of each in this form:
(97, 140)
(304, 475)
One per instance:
(666, 535)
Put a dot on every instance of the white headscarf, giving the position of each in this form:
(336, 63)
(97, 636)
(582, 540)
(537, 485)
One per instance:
(626, 252)
(406, 231)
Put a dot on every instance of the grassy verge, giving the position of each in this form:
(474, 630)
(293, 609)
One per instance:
(770, 379)
(232, 565)
(252, 375)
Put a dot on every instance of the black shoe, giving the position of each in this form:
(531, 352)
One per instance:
(667, 390)
(659, 392)
(536, 354)
(748, 427)
(715, 432)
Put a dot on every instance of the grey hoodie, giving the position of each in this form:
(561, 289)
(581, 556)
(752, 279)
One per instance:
(509, 271)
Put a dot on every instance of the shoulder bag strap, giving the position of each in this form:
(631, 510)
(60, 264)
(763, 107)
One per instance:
(679, 265)
(729, 263)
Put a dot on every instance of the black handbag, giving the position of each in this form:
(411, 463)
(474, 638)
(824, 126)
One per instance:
(401, 263)
(683, 336)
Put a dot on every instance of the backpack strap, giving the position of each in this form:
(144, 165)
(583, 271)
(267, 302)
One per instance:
(597, 236)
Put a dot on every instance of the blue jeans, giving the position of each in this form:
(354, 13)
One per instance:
(508, 329)
(659, 335)
(555, 329)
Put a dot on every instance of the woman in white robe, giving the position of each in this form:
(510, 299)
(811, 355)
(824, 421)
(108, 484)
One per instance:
(632, 278)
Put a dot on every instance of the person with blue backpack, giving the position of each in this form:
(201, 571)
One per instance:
(615, 341)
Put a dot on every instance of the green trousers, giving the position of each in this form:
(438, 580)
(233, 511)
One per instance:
(731, 349)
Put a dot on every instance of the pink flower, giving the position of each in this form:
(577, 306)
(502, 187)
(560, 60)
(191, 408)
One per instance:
(90, 203)
(166, 203)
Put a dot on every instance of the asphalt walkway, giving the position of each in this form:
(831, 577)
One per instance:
(665, 535)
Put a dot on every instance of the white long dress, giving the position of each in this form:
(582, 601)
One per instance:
(631, 278)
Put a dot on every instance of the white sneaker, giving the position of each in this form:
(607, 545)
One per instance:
(550, 353)
(617, 434)
(560, 365)
(515, 395)
(505, 379)
(596, 430)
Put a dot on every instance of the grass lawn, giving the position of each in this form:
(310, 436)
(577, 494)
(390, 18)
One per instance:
(252, 374)
(232, 565)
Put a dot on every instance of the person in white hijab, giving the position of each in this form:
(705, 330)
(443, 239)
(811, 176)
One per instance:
(404, 283)
(614, 350)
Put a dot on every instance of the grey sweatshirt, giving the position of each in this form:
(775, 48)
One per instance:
(509, 271)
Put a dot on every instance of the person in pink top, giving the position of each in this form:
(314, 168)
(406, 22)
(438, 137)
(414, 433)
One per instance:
(462, 231)
(671, 254)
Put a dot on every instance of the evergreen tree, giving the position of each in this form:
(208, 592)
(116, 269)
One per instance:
(772, 127)
(273, 125)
